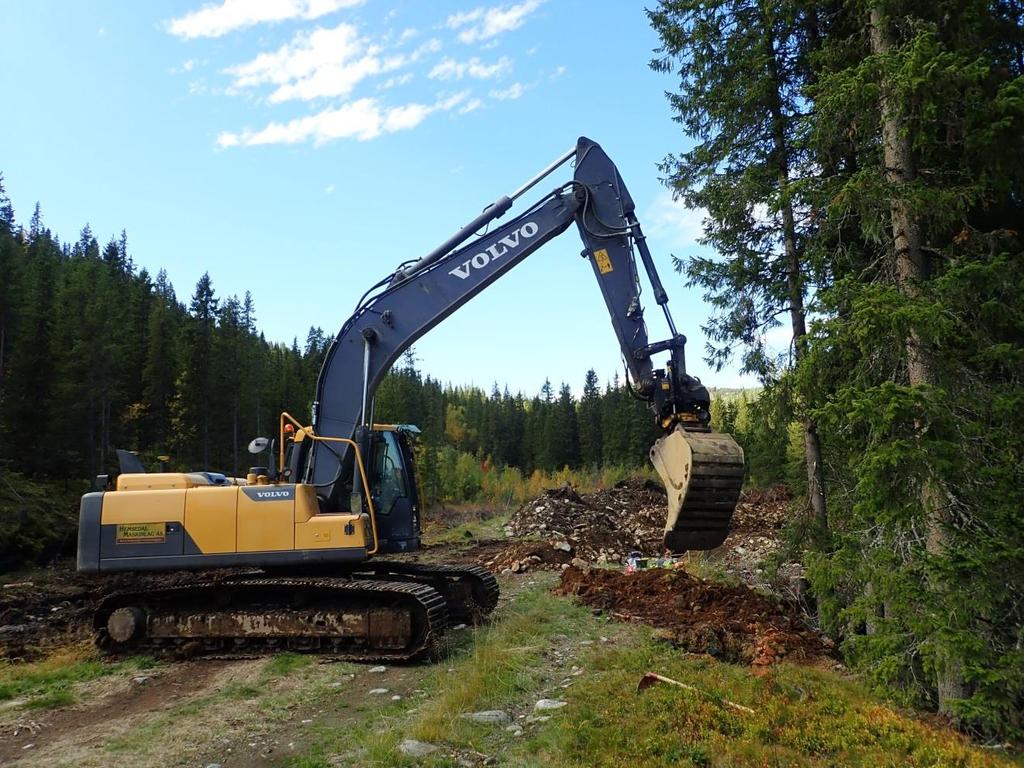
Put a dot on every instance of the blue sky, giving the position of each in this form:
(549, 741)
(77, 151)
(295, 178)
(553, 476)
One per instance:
(300, 149)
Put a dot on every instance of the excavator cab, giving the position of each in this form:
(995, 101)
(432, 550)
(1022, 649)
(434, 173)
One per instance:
(393, 487)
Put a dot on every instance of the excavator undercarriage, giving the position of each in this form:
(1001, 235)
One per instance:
(386, 611)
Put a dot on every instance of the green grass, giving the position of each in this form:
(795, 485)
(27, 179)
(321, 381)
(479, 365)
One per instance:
(52, 682)
(284, 664)
(497, 667)
(701, 565)
(442, 529)
(802, 716)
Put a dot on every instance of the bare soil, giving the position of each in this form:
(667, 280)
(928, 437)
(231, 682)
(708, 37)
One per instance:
(731, 623)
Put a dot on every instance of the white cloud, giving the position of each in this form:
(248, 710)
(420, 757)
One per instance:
(470, 106)
(483, 23)
(673, 221)
(514, 91)
(329, 189)
(226, 140)
(317, 64)
(393, 82)
(407, 34)
(216, 20)
(450, 69)
(433, 45)
(363, 119)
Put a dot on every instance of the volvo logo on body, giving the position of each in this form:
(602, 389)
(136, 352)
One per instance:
(269, 494)
(273, 494)
(496, 251)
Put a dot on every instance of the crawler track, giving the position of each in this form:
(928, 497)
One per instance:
(358, 620)
(471, 592)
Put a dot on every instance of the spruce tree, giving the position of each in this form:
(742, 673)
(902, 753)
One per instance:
(590, 421)
(742, 65)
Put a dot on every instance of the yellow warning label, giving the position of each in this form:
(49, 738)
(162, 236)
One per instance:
(604, 263)
(141, 533)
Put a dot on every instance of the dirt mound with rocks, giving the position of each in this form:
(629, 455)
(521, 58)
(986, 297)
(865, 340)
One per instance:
(607, 525)
(599, 527)
(524, 556)
(731, 623)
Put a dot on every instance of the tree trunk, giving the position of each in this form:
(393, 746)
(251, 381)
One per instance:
(794, 284)
(911, 271)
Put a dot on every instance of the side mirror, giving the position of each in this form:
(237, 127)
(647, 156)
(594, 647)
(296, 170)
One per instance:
(258, 445)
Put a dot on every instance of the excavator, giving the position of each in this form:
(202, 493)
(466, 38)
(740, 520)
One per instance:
(333, 497)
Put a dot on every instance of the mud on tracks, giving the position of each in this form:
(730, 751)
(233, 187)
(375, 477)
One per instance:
(731, 623)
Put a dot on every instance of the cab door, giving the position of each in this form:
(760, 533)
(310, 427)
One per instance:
(394, 494)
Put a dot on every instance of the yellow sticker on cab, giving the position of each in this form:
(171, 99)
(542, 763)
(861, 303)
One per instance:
(604, 262)
(141, 533)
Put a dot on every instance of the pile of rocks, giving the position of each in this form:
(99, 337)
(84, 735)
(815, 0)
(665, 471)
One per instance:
(600, 527)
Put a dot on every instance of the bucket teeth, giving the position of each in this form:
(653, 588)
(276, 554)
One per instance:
(703, 475)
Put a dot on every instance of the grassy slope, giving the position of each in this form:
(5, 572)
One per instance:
(53, 681)
(801, 716)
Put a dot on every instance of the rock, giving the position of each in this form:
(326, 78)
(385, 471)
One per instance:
(538, 718)
(141, 679)
(213, 765)
(396, 697)
(548, 704)
(376, 691)
(579, 562)
(414, 748)
(378, 669)
(563, 546)
(489, 717)
(515, 730)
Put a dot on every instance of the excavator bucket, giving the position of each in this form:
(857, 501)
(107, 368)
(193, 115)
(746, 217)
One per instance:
(703, 474)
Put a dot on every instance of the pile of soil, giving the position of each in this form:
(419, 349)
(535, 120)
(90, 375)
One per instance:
(597, 527)
(729, 623)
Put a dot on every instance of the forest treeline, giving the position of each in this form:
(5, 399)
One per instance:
(860, 171)
(96, 354)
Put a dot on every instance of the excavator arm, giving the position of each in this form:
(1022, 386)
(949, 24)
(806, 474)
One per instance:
(702, 471)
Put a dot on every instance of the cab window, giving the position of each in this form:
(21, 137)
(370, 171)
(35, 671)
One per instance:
(388, 473)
